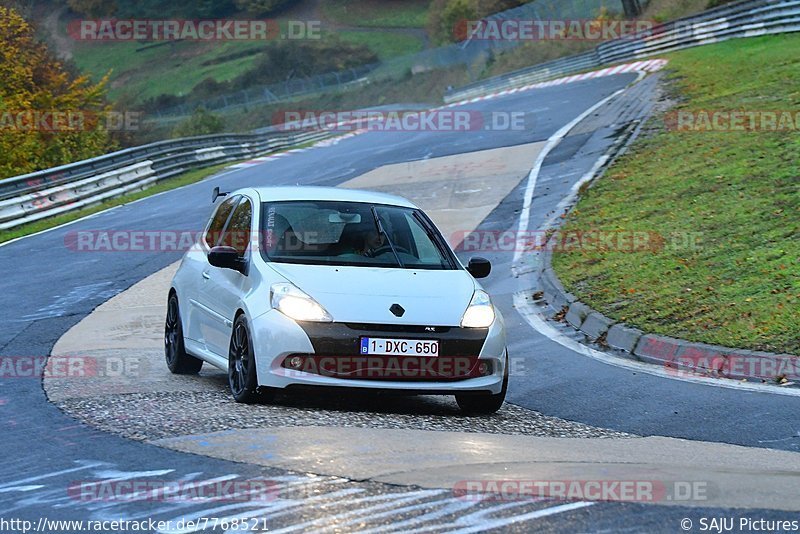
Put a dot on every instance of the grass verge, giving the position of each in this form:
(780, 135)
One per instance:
(386, 44)
(170, 183)
(378, 13)
(738, 285)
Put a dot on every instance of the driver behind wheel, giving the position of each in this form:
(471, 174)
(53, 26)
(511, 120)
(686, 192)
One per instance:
(361, 239)
(372, 240)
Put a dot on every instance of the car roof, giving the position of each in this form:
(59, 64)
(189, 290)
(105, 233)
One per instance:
(277, 194)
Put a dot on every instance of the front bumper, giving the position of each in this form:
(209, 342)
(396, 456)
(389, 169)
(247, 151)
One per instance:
(470, 360)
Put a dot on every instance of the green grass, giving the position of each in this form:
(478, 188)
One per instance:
(171, 183)
(740, 192)
(378, 13)
(664, 10)
(385, 44)
(140, 72)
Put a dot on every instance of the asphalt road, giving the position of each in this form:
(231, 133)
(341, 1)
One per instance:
(46, 288)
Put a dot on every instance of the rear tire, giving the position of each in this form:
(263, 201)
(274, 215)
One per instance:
(242, 376)
(179, 361)
(472, 404)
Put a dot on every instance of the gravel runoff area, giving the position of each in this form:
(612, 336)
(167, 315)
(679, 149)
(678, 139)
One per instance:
(152, 416)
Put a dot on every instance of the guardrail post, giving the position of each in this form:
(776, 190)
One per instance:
(632, 8)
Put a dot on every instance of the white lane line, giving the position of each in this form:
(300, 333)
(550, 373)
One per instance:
(539, 323)
(21, 488)
(537, 514)
(552, 142)
(59, 226)
(365, 514)
(51, 474)
(572, 194)
(112, 208)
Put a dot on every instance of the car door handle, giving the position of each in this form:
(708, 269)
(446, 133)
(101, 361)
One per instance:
(206, 275)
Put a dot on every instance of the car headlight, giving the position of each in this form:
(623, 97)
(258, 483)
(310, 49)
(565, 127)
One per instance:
(293, 303)
(480, 312)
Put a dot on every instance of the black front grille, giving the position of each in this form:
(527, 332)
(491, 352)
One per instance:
(344, 339)
(401, 328)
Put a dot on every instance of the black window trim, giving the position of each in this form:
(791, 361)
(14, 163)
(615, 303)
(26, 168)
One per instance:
(242, 199)
(237, 199)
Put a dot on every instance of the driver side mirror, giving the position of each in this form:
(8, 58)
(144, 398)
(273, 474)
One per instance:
(479, 267)
(226, 258)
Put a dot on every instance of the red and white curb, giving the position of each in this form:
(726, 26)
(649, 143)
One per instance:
(651, 65)
(648, 66)
(319, 144)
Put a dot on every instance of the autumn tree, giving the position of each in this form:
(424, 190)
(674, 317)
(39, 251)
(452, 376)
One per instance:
(33, 87)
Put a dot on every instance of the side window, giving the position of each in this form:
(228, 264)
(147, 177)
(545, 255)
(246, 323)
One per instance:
(218, 221)
(237, 233)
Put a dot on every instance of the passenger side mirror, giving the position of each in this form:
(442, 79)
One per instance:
(479, 267)
(226, 258)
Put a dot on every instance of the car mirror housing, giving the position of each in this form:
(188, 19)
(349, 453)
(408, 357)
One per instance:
(479, 267)
(226, 258)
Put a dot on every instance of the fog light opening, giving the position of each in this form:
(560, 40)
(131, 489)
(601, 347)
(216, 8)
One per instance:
(295, 362)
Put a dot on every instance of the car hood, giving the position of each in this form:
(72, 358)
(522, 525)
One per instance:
(365, 294)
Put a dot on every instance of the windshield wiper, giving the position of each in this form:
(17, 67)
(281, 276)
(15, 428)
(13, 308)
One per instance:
(381, 230)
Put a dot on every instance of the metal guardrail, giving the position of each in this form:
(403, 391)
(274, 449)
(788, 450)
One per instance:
(50, 192)
(748, 18)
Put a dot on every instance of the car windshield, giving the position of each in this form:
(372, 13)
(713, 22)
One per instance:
(352, 234)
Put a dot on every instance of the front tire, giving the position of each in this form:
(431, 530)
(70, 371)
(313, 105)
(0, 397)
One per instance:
(472, 404)
(179, 361)
(242, 376)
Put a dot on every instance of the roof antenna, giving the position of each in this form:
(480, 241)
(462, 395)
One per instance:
(216, 194)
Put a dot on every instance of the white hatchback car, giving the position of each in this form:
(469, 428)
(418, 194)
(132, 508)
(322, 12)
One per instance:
(307, 286)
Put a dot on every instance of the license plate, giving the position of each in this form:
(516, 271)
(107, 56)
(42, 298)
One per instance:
(399, 347)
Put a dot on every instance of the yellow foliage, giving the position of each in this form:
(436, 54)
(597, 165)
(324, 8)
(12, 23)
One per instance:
(33, 84)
